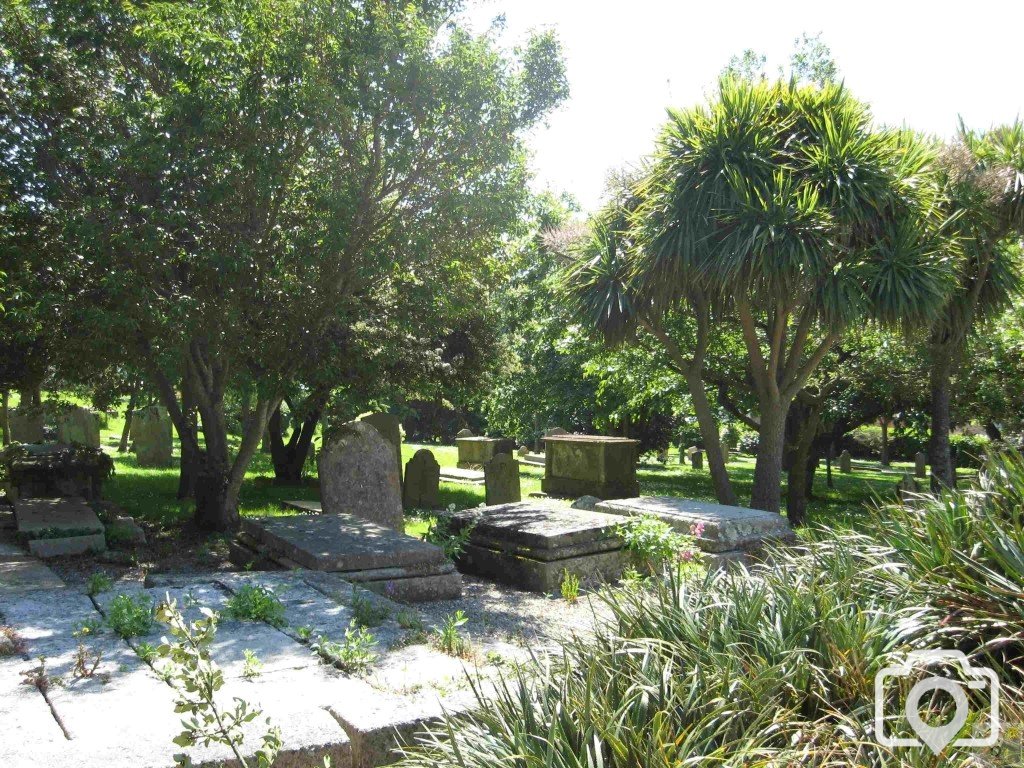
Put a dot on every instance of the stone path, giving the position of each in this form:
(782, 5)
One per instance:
(123, 715)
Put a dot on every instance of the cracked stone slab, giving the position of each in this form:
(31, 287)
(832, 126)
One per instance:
(69, 513)
(341, 542)
(26, 574)
(725, 528)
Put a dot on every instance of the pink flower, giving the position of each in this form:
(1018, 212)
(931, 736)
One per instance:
(686, 555)
(697, 530)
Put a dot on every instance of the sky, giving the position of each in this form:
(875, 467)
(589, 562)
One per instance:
(919, 64)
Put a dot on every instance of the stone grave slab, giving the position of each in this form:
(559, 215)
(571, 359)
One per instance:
(530, 544)
(62, 526)
(729, 532)
(22, 574)
(594, 465)
(462, 475)
(476, 451)
(382, 559)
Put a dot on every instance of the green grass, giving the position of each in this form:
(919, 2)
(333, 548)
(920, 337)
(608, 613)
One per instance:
(149, 494)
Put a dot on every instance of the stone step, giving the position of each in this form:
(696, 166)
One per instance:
(59, 526)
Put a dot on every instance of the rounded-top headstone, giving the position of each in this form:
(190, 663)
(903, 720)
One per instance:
(464, 433)
(152, 436)
(390, 428)
(422, 477)
(501, 480)
(80, 426)
(358, 475)
(921, 465)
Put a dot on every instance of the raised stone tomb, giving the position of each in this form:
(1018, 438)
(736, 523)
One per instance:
(61, 526)
(477, 451)
(730, 533)
(594, 465)
(531, 544)
(379, 558)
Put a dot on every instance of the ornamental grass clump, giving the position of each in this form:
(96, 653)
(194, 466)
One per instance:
(775, 666)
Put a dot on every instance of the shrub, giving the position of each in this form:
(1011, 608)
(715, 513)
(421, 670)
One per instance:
(131, 616)
(748, 443)
(254, 602)
(452, 542)
(653, 543)
(970, 450)
(570, 586)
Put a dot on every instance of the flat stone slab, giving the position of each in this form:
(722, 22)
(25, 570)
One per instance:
(340, 542)
(313, 507)
(460, 475)
(68, 545)
(25, 574)
(725, 528)
(543, 531)
(42, 518)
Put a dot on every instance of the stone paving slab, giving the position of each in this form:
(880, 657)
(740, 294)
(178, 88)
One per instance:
(725, 528)
(26, 574)
(68, 545)
(70, 513)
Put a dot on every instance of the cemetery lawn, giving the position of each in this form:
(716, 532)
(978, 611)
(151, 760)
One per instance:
(149, 494)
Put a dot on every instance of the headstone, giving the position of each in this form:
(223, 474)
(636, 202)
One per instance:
(697, 459)
(422, 475)
(27, 425)
(554, 431)
(359, 476)
(80, 426)
(464, 433)
(523, 451)
(501, 480)
(152, 436)
(907, 488)
(725, 453)
(845, 462)
(476, 451)
(663, 456)
(390, 428)
(921, 465)
(586, 502)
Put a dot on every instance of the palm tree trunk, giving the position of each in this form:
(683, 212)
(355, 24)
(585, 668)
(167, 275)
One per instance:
(767, 493)
(712, 440)
(943, 474)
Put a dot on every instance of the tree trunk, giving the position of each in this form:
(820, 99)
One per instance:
(712, 440)
(127, 431)
(943, 474)
(5, 417)
(993, 432)
(803, 427)
(290, 458)
(885, 441)
(188, 437)
(767, 493)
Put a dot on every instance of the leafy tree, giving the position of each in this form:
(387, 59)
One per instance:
(748, 65)
(243, 172)
(783, 203)
(812, 62)
(983, 177)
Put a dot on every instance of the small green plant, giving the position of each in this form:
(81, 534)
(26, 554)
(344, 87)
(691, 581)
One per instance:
(38, 678)
(11, 642)
(86, 662)
(449, 638)
(441, 534)
(654, 544)
(304, 633)
(409, 620)
(252, 667)
(367, 611)
(98, 582)
(88, 627)
(147, 652)
(254, 602)
(197, 679)
(131, 616)
(570, 586)
(352, 655)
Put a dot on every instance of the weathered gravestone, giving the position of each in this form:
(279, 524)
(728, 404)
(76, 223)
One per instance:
(920, 465)
(464, 433)
(501, 480)
(27, 424)
(79, 426)
(523, 451)
(390, 428)
(845, 462)
(152, 436)
(907, 488)
(475, 451)
(359, 476)
(697, 459)
(422, 475)
(594, 465)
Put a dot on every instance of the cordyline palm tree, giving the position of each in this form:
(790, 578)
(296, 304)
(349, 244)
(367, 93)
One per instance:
(782, 203)
(983, 180)
(604, 294)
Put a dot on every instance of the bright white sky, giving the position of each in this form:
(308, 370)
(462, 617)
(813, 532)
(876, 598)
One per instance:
(917, 63)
